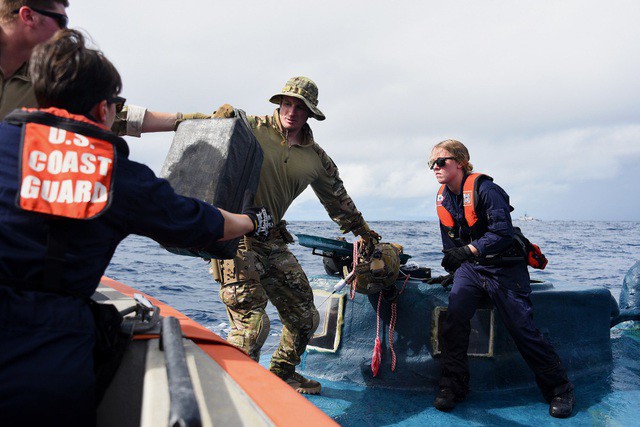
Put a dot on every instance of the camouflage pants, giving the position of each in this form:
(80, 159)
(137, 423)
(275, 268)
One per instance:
(264, 271)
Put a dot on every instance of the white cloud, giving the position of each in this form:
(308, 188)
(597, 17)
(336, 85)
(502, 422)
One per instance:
(544, 93)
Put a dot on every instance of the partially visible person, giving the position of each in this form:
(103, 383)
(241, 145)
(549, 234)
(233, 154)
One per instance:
(23, 25)
(265, 269)
(68, 196)
(26, 23)
(475, 224)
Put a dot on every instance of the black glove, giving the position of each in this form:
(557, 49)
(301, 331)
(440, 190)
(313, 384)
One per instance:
(443, 280)
(262, 221)
(454, 257)
(447, 280)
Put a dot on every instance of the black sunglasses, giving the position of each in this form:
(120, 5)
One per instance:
(62, 20)
(119, 101)
(440, 162)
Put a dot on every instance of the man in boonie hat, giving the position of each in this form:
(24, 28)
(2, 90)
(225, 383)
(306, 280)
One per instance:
(302, 88)
(264, 269)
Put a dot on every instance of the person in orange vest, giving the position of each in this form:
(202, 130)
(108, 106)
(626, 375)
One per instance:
(481, 254)
(68, 196)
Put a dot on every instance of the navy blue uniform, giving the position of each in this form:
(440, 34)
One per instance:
(508, 287)
(47, 338)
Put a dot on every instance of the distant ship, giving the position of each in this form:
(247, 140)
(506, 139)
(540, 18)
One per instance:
(526, 217)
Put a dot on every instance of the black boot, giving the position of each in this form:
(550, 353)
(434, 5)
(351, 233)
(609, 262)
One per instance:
(561, 406)
(446, 399)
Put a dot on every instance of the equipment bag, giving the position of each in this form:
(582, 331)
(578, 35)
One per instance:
(377, 268)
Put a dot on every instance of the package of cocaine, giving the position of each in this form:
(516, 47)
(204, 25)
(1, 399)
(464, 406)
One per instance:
(217, 161)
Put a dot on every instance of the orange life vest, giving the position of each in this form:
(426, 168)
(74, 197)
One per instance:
(65, 171)
(469, 200)
(531, 252)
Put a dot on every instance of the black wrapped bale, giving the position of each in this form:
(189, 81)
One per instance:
(217, 161)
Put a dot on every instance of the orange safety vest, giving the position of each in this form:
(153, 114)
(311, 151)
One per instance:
(532, 253)
(469, 200)
(66, 169)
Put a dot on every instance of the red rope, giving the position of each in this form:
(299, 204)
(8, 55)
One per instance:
(392, 322)
(376, 358)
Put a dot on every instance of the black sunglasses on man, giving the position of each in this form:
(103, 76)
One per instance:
(62, 20)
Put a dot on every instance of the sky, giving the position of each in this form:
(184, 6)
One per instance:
(545, 94)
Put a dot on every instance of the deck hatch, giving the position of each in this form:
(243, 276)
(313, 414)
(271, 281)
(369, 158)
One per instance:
(331, 309)
(481, 338)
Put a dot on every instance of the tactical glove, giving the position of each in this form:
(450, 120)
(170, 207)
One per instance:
(262, 221)
(443, 280)
(367, 234)
(225, 111)
(190, 116)
(375, 236)
(447, 280)
(454, 257)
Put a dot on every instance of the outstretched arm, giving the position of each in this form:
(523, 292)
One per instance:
(236, 225)
(159, 122)
(133, 120)
(259, 223)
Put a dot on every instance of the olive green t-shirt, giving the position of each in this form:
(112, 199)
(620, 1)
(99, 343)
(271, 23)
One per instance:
(288, 170)
(16, 92)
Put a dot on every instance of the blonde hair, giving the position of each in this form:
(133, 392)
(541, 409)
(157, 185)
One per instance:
(458, 151)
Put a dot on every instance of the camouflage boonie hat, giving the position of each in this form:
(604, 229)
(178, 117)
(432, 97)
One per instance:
(302, 88)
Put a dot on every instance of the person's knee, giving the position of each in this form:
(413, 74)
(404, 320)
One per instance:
(262, 331)
(312, 322)
(243, 296)
(250, 333)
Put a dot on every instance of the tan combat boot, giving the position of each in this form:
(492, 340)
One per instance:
(303, 385)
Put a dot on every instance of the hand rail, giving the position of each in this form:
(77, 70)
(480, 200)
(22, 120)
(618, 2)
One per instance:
(183, 409)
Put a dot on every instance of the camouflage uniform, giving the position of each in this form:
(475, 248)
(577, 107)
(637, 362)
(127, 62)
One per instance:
(267, 269)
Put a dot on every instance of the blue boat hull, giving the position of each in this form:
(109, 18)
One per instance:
(577, 322)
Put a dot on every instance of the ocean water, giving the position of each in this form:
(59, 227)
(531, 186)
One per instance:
(581, 254)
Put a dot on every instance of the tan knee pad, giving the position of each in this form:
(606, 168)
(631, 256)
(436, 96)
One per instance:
(315, 323)
(261, 337)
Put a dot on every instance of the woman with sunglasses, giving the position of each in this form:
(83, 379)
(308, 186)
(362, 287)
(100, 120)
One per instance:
(476, 229)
